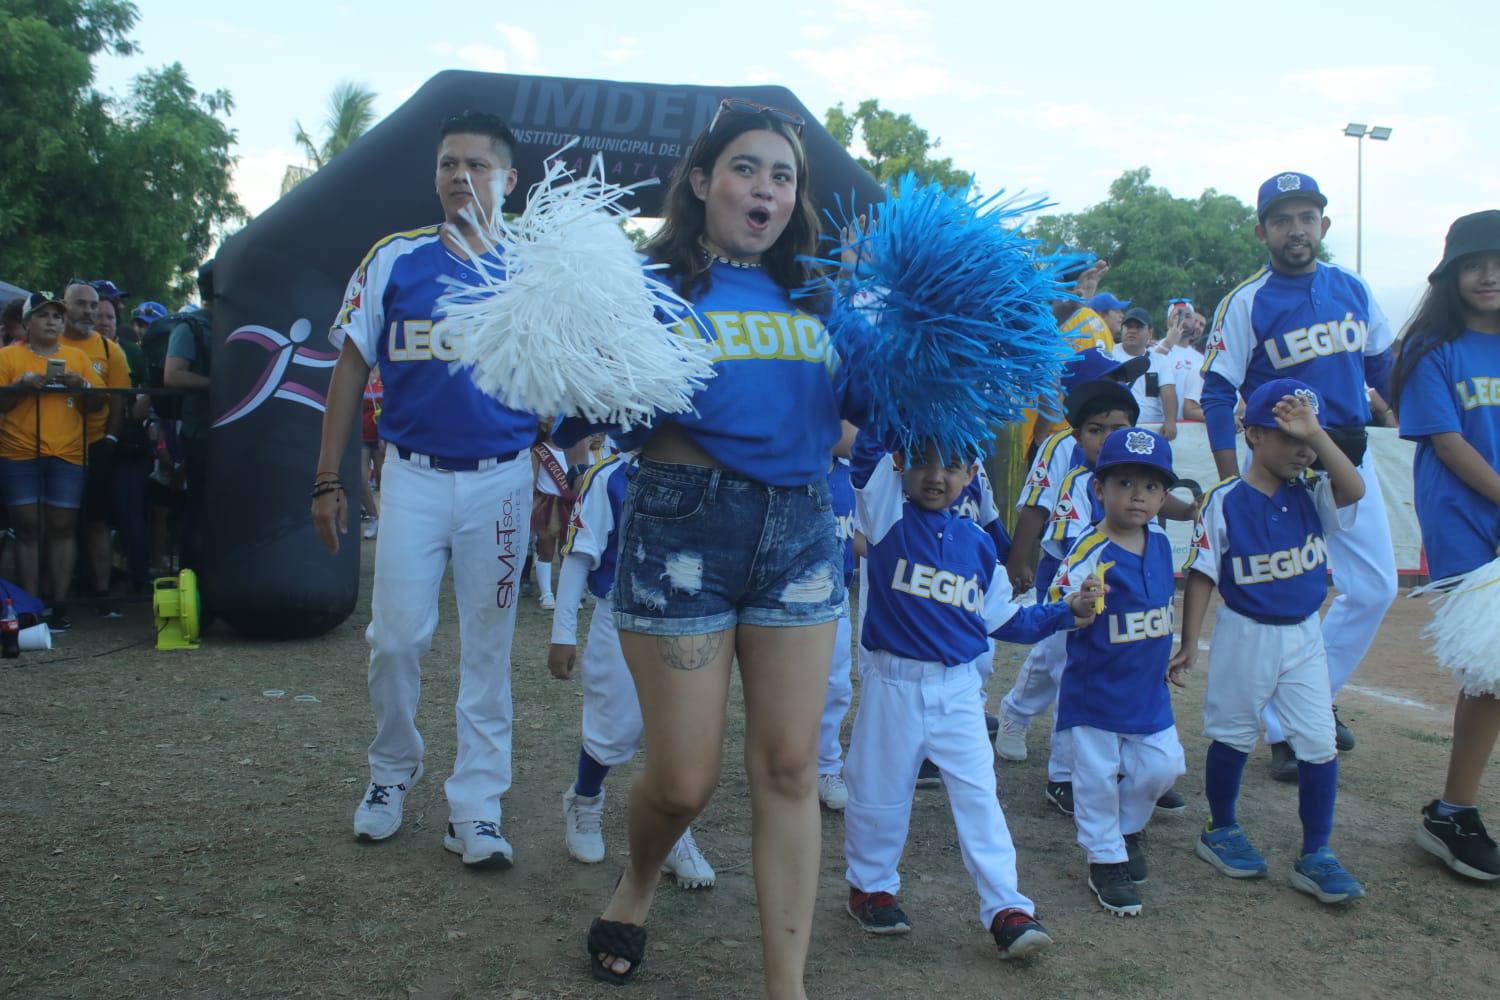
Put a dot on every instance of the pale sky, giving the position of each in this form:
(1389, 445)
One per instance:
(1051, 98)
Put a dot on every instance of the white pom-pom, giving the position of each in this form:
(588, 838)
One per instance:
(1465, 630)
(563, 318)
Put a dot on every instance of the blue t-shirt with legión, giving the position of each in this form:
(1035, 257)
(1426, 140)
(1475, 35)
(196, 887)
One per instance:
(841, 494)
(1455, 388)
(389, 311)
(771, 411)
(1116, 673)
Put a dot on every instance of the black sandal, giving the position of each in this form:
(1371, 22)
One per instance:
(621, 940)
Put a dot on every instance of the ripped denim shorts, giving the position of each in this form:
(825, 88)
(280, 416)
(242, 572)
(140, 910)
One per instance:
(703, 550)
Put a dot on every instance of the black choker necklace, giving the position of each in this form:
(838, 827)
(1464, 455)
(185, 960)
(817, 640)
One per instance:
(715, 258)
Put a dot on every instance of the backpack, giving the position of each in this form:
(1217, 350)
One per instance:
(154, 344)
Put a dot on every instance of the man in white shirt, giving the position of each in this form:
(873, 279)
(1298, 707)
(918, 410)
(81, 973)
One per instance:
(1185, 361)
(1153, 391)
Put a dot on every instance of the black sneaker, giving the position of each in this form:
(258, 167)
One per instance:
(927, 776)
(992, 723)
(1115, 891)
(1172, 803)
(57, 618)
(1018, 934)
(877, 912)
(1135, 847)
(1343, 736)
(1060, 794)
(1460, 841)
(107, 610)
(1283, 762)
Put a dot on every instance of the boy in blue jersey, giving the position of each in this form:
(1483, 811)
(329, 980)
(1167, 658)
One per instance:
(1113, 694)
(832, 793)
(612, 726)
(456, 484)
(1299, 317)
(936, 595)
(1261, 539)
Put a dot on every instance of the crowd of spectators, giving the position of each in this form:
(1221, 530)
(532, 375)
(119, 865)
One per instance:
(101, 472)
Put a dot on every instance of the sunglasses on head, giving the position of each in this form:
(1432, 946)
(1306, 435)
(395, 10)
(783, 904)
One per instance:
(739, 106)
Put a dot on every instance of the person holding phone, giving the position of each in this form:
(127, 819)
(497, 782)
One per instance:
(1154, 391)
(41, 445)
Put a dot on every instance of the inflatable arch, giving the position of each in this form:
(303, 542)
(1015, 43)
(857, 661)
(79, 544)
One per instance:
(280, 280)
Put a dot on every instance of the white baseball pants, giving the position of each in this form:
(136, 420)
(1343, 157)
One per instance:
(480, 520)
(612, 726)
(1364, 571)
(836, 704)
(1252, 667)
(1117, 779)
(1035, 691)
(909, 710)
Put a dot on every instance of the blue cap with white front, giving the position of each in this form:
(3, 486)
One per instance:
(1135, 446)
(150, 311)
(1260, 407)
(1286, 186)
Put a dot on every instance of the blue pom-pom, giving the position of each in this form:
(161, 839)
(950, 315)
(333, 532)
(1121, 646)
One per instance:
(945, 327)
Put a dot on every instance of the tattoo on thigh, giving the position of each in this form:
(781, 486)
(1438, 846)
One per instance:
(689, 652)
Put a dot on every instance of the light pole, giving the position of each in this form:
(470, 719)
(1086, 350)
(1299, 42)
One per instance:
(1357, 132)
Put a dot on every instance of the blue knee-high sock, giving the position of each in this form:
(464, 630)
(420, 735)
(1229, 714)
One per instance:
(590, 775)
(1222, 771)
(1317, 787)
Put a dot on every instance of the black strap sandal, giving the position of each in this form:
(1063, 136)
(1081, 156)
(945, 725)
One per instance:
(611, 937)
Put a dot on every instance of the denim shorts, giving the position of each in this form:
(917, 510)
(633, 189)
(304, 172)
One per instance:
(703, 550)
(57, 482)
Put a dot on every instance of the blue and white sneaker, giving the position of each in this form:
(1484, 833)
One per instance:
(480, 844)
(1230, 851)
(1320, 874)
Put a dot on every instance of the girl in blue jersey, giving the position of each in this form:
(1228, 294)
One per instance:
(728, 544)
(1446, 391)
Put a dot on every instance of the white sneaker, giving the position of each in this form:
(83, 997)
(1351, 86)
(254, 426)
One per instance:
(687, 864)
(583, 826)
(547, 601)
(480, 844)
(371, 526)
(832, 791)
(1010, 741)
(378, 814)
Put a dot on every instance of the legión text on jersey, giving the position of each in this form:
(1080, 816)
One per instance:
(1266, 567)
(1320, 340)
(939, 585)
(1134, 626)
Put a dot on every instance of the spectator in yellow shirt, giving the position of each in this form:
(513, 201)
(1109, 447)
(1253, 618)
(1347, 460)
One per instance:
(1082, 327)
(41, 445)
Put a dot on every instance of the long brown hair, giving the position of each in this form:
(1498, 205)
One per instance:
(676, 244)
(1441, 318)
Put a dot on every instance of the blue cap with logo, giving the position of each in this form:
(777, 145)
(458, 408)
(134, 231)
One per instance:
(150, 311)
(1096, 363)
(1284, 186)
(1262, 402)
(1135, 446)
(1104, 302)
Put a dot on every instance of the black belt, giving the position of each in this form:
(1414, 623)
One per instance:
(1351, 440)
(443, 464)
(1278, 619)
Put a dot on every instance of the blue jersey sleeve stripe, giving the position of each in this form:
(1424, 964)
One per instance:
(1061, 530)
(583, 490)
(1221, 487)
(1045, 458)
(1224, 308)
(359, 272)
(1081, 551)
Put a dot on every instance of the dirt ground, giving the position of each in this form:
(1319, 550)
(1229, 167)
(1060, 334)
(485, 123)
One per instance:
(167, 829)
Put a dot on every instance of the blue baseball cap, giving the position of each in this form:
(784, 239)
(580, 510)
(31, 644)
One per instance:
(1284, 186)
(1095, 364)
(1135, 446)
(149, 311)
(1263, 400)
(1104, 302)
(108, 289)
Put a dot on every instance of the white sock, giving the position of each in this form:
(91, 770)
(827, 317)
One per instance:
(543, 576)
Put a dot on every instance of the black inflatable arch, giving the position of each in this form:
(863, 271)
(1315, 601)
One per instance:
(280, 280)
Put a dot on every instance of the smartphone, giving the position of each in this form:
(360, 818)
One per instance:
(1153, 385)
(55, 369)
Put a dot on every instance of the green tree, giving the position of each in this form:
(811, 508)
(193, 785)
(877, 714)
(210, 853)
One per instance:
(351, 112)
(1160, 247)
(90, 186)
(896, 145)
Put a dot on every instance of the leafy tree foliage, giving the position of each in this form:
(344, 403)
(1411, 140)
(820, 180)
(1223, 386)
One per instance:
(896, 144)
(1160, 247)
(133, 189)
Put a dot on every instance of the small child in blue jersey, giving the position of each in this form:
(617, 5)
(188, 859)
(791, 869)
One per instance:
(1113, 693)
(936, 595)
(1261, 540)
(832, 793)
(1447, 391)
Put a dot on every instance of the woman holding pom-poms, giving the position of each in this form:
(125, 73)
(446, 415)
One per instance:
(728, 540)
(1443, 390)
